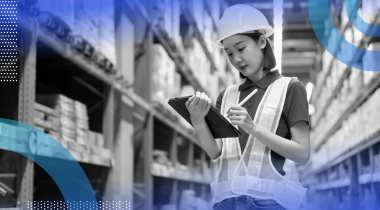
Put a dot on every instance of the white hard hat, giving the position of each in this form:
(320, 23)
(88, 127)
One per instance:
(241, 18)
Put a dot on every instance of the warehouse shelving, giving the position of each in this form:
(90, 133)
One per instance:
(344, 177)
(345, 74)
(172, 51)
(144, 117)
(166, 135)
(81, 153)
(198, 34)
(318, 89)
(363, 96)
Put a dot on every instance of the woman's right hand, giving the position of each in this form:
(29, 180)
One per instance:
(198, 106)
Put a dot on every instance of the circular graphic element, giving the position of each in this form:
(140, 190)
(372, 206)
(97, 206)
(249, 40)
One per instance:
(359, 23)
(319, 12)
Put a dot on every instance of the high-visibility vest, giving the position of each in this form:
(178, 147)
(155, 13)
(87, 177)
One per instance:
(252, 173)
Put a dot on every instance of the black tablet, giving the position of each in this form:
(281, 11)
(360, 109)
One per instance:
(218, 125)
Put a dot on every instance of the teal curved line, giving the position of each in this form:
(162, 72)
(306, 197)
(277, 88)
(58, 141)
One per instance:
(319, 12)
(68, 175)
(359, 23)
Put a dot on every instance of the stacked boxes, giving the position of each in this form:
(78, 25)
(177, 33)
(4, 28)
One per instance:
(95, 139)
(64, 107)
(166, 81)
(81, 121)
(161, 164)
(46, 120)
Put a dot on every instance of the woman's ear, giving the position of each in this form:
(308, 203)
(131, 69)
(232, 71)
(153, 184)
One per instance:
(262, 42)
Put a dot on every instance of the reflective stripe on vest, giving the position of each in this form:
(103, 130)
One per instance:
(252, 172)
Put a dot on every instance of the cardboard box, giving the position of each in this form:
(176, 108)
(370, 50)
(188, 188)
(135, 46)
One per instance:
(39, 115)
(99, 140)
(91, 138)
(60, 103)
(53, 122)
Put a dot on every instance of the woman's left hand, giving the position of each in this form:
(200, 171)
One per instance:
(239, 116)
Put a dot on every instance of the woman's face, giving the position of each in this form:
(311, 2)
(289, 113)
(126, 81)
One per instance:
(244, 53)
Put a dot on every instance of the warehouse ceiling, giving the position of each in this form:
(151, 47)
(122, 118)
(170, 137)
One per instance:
(300, 45)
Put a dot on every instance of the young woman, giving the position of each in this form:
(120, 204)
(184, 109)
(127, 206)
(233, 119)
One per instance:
(254, 169)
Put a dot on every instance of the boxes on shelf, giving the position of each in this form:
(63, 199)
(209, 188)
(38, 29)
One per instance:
(165, 79)
(81, 115)
(64, 106)
(357, 127)
(161, 164)
(81, 122)
(65, 116)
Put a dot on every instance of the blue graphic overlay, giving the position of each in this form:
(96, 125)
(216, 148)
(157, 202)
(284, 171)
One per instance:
(319, 12)
(359, 23)
(40, 147)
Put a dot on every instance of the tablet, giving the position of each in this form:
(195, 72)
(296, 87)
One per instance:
(218, 125)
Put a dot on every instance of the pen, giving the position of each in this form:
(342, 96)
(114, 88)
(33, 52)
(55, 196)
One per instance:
(244, 100)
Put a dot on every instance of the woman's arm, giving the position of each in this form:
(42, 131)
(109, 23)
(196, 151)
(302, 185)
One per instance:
(212, 146)
(198, 106)
(297, 150)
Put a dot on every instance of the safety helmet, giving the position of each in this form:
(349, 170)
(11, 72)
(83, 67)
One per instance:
(240, 19)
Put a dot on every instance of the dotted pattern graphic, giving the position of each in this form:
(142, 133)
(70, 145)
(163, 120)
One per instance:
(8, 41)
(79, 205)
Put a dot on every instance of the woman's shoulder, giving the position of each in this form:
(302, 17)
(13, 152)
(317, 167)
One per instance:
(295, 85)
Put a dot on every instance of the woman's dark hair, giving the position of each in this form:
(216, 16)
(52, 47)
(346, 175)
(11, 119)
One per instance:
(269, 59)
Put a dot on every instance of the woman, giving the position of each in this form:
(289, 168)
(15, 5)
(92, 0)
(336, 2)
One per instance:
(274, 123)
